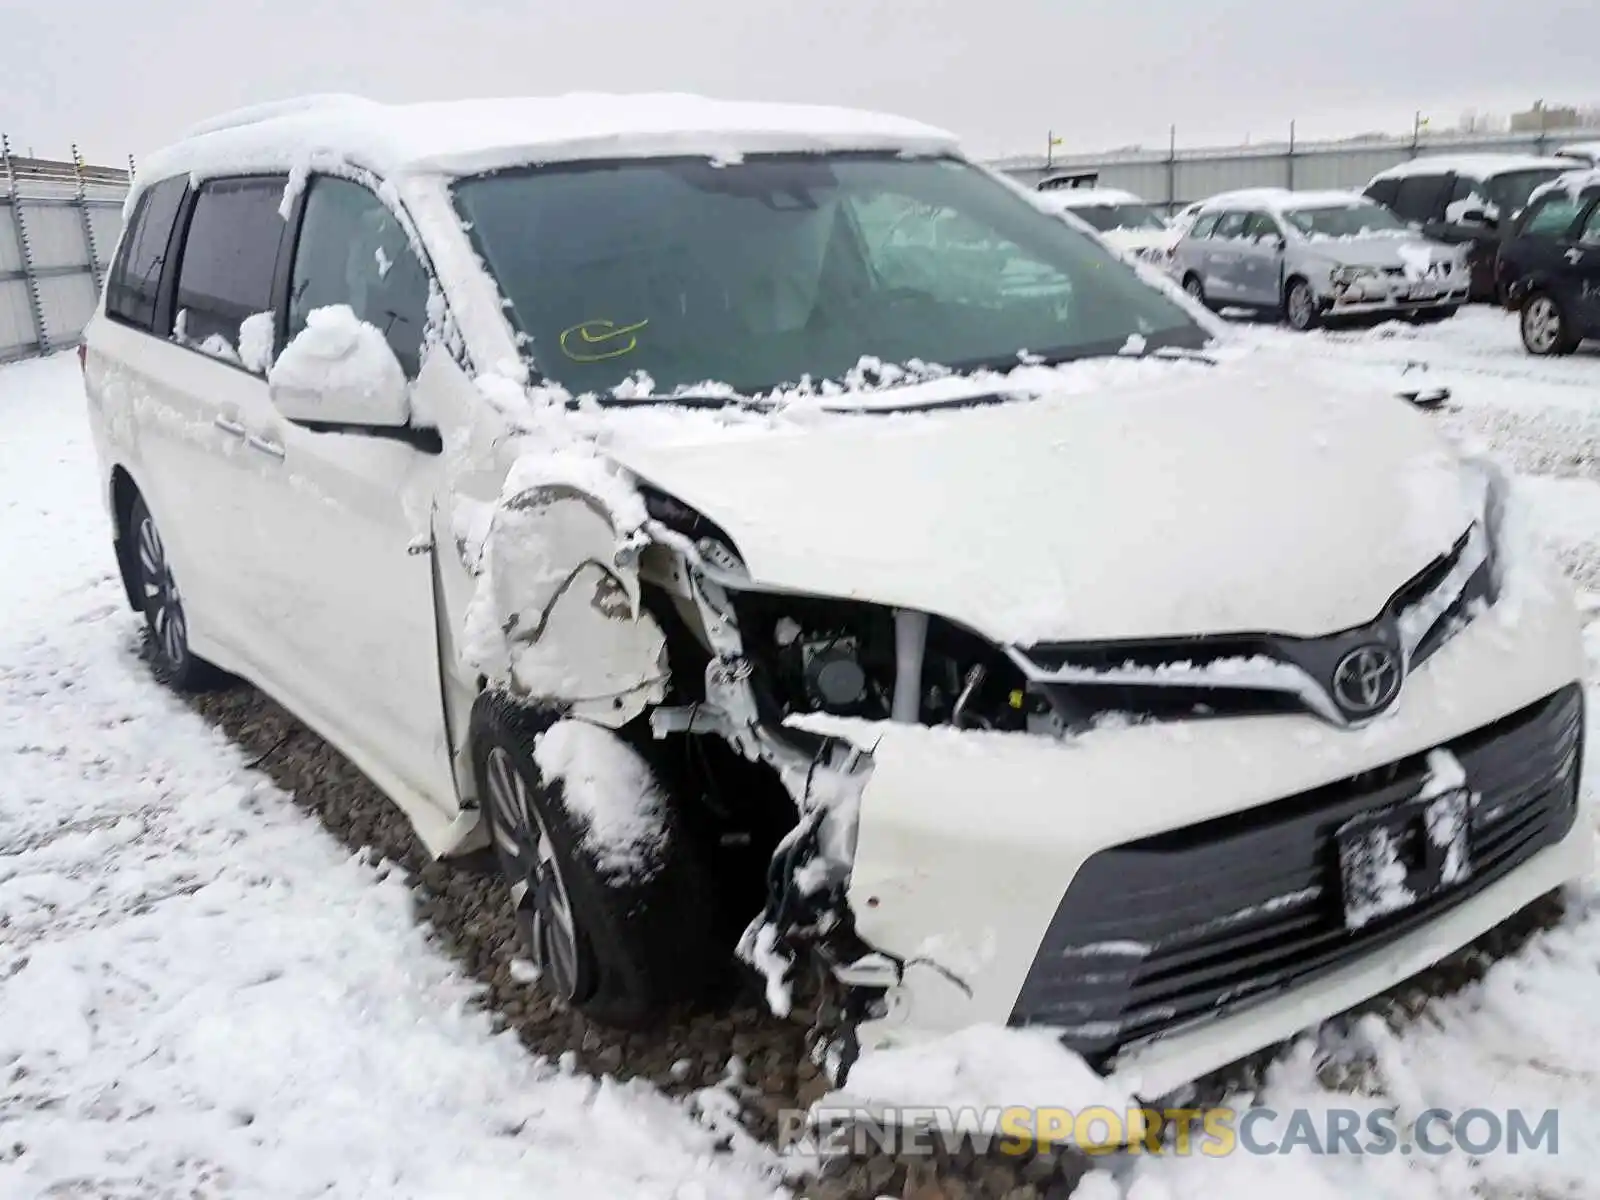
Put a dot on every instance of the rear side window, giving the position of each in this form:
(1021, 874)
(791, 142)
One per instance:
(1260, 225)
(1419, 197)
(229, 258)
(1202, 228)
(136, 275)
(353, 251)
(1553, 216)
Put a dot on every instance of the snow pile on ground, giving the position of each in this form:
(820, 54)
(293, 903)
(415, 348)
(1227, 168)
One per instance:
(609, 788)
(981, 1066)
(202, 994)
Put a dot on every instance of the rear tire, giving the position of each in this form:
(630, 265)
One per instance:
(620, 948)
(1300, 306)
(1544, 326)
(166, 622)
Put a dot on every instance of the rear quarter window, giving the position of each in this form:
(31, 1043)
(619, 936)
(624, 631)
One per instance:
(135, 279)
(230, 257)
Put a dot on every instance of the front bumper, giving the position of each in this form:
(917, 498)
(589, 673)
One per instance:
(1386, 297)
(971, 846)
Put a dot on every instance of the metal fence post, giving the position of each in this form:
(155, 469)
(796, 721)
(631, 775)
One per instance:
(1289, 162)
(1172, 168)
(88, 225)
(20, 228)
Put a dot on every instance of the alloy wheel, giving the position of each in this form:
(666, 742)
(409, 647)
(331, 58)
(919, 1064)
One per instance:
(163, 602)
(1541, 325)
(1300, 307)
(538, 893)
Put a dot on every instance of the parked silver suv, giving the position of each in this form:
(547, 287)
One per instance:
(1316, 255)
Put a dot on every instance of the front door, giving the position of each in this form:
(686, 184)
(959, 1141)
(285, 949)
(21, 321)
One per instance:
(347, 532)
(1222, 271)
(1261, 261)
(1584, 257)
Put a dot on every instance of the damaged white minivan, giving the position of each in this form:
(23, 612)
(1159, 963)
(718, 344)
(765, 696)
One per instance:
(785, 542)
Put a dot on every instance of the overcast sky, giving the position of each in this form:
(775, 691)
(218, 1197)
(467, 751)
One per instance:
(125, 76)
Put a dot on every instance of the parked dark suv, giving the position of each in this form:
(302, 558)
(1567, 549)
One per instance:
(1549, 266)
(1467, 200)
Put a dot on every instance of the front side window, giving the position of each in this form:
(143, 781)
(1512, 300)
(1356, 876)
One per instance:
(1261, 225)
(787, 267)
(1510, 191)
(136, 276)
(1553, 215)
(353, 251)
(1205, 225)
(1231, 225)
(1590, 236)
(1106, 217)
(1341, 221)
(229, 257)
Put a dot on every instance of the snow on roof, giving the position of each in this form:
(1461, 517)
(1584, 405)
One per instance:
(1473, 166)
(1588, 150)
(468, 136)
(1090, 197)
(1574, 183)
(1282, 199)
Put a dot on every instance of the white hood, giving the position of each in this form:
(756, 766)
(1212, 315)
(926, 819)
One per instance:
(1131, 241)
(1231, 498)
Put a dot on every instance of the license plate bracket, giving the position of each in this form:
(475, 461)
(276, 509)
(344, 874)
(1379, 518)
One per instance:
(1394, 858)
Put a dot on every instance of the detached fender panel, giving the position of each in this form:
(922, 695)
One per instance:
(556, 612)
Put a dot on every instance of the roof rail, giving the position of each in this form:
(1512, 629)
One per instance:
(254, 114)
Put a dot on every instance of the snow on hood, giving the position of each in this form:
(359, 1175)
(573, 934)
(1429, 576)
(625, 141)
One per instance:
(1134, 240)
(1170, 501)
(1384, 250)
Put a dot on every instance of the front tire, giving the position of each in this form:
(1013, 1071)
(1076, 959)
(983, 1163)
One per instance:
(1196, 289)
(166, 622)
(1300, 306)
(622, 948)
(1544, 326)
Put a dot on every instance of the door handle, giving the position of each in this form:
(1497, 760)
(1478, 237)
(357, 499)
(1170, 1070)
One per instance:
(229, 426)
(272, 449)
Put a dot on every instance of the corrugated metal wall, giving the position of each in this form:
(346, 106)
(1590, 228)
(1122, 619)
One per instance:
(1178, 177)
(59, 223)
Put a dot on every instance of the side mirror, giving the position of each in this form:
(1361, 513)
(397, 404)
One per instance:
(340, 371)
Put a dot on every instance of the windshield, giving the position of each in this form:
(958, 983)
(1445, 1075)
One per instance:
(778, 269)
(1106, 217)
(1510, 191)
(1353, 220)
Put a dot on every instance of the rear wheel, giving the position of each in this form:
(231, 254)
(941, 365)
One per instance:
(1300, 306)
(621, 946)
(1545, 330)
(166, 622)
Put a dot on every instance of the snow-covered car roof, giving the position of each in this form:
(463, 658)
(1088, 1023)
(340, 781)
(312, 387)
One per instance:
(469, 136)
(1574, 183)
(1282, 199)
(1473, 166)
(1586, 150)
(1092, 197)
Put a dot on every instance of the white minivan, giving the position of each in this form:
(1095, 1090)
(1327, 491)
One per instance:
(684, 498)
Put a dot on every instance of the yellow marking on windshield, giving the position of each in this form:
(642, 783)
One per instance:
(600, 333)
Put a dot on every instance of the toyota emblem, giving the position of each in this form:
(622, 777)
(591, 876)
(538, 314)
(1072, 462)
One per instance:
(1366, 680)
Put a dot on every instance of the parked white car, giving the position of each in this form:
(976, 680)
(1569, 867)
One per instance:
(627, 483)
(1124, 220)
(1585, 153)
(1315, 256)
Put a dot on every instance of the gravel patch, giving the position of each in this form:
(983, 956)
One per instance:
(464, 904)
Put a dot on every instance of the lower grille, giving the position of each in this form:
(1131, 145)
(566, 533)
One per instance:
(1205, 919)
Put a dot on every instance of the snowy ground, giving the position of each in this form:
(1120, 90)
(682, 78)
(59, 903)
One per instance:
(202, 994)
